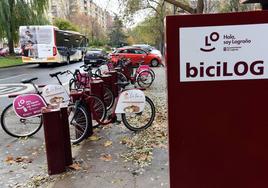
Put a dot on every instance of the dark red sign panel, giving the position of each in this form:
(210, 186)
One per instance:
(217, 69)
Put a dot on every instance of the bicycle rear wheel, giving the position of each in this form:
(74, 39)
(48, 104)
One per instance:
(79, 124)
(18, 127)
(108, 98)
(145, 79)
(97, 108)
(142, 120)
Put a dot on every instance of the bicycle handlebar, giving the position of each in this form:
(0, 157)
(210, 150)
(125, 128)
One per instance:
(55, 74)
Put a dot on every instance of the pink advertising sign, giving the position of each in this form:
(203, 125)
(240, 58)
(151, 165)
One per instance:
(28, 105)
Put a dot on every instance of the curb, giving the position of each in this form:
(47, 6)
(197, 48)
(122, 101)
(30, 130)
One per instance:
(11, 66)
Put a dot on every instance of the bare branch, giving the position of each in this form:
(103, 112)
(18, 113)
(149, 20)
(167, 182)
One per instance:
(152, 7)
(183, 6)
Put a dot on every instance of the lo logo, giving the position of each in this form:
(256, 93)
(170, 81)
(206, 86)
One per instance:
(213, 37)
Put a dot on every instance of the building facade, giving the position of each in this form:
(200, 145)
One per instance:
(66, 8)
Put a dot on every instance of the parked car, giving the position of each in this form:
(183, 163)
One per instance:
(4, 52)
(136, 55)
(95, 57)
(149, 48)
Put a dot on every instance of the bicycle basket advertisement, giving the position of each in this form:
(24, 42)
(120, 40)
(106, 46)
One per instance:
(55, 94)
(131, 101)
(28, 105)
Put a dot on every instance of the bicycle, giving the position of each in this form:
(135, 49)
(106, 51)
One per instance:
(18, 127)
(83, 80)
(137, 110)
(143, 75)
(81, 94)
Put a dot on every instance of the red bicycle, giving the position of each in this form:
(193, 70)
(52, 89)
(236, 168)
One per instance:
(144, 76)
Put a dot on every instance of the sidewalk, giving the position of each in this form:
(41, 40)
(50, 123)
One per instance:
(113, 157)
(102, 164)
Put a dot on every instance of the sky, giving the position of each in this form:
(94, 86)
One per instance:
(110, 5)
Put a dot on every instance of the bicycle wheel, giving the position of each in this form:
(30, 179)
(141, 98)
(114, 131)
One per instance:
(97, 108)
(108, 98)
(18, 127)
(79, 123)
(145, 79)
(142, 120)
(151, 70)
(121, 77)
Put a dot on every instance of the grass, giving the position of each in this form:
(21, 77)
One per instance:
(10, 61)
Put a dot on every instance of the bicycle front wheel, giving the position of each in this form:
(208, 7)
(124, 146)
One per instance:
(78, 123)
(142, 120)
(19, 127)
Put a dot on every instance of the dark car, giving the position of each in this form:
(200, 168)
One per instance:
(95, 57)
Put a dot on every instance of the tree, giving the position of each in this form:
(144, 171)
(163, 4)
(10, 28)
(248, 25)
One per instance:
(117, 35)
(184, 5)
(235, 6)
(145, 32)
(211, 6)
(14, 13)
(89, 26)
(158, 9)
(64, 24)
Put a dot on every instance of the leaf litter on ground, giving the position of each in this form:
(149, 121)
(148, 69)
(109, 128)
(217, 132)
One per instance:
(141, 145)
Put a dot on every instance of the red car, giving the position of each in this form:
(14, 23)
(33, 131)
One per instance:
(4, 52)
(136, 55)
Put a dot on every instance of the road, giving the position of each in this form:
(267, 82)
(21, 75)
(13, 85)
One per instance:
(10, 78)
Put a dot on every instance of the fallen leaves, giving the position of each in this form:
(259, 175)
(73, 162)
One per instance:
(94, 138)
(142, 144)
(106, 157)
(24, 159)
(9, 159)
(75, 166)
(108, 143)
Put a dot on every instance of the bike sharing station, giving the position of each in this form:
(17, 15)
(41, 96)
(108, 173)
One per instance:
(60, 114)
(217, 67)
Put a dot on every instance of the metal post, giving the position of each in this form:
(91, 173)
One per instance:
(54, 141)
(66, 136)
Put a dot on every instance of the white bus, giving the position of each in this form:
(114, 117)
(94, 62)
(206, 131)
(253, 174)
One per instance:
(48, 44)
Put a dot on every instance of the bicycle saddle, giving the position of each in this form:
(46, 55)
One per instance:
(27, 81)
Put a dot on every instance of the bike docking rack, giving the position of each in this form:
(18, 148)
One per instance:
(57, 139)
(110, 80)
(112, 83)
(96, 88)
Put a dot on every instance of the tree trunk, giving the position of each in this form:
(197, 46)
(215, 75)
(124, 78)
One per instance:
(200, 7)
(11, 46)
(11, 27)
